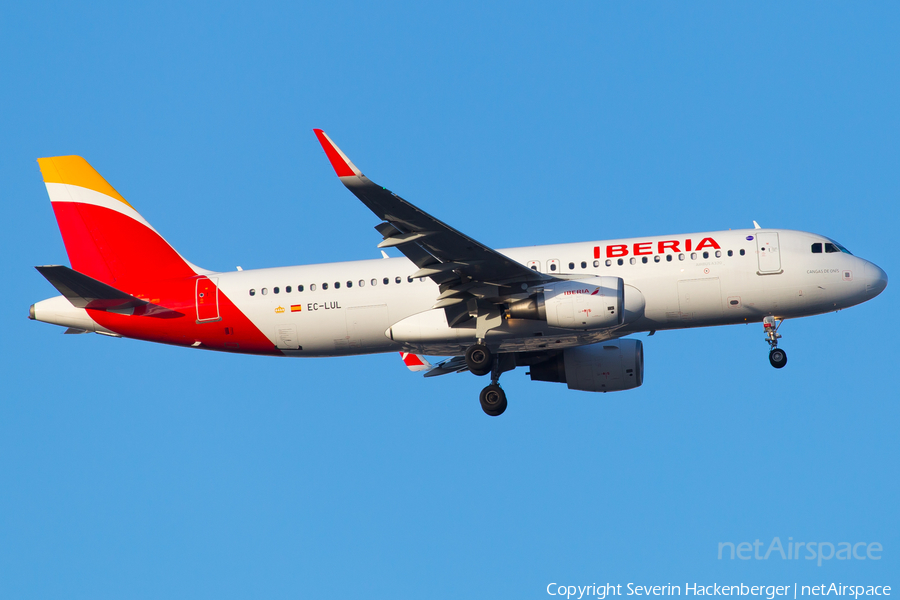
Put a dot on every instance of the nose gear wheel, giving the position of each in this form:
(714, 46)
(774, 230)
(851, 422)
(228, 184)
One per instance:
(777, 356)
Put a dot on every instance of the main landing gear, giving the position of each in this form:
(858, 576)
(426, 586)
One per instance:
(777, 356)
(481, 361)
(493, 400)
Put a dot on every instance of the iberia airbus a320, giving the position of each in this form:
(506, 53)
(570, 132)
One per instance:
(562, 310)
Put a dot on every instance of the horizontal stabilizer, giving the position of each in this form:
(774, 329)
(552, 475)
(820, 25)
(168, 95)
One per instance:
(457, 364)
(86, 292)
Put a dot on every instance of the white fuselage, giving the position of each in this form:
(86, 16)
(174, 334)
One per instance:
(744, 276)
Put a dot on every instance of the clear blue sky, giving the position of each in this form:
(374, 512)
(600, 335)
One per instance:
(131, 470)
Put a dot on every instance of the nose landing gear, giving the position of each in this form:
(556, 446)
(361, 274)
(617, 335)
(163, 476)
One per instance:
(777, 356)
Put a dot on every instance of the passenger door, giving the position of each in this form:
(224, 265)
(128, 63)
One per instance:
(206, 295)
(769, 254)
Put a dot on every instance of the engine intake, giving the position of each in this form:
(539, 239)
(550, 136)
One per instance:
(603, 367)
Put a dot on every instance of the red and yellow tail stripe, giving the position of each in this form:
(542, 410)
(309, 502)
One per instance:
(105, 237)
(108, 240)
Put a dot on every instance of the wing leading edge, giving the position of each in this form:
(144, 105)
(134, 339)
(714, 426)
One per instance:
(469, 273)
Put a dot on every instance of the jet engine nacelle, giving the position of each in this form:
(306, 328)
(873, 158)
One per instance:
(595, 303)
(602, 367)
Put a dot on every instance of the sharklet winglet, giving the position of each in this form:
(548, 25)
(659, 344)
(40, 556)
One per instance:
(339, 161)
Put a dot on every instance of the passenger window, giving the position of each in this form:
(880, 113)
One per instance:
(597, 263)
(362, 283)
(252, 292)
(817, 248)
(644, 259)
(681, 257)
(731, 253)
(657, 258)
(669, 257)
(552, 266)
(287, 290)
(374, 282)
(621, 262)
(829, 248)
(409, 279)
(264, 291)
(742, 252)
(397, 279)
(312, 287)
(633, 260)
(693, 256)
(583, 265)
(718, 254)
(276, 290)
(324, 286)
(534, 267)
(705, 254)
(386, 281)
(349, 284)
(299, 288)
(608, 262)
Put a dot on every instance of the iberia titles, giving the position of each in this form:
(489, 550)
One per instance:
(658, 247)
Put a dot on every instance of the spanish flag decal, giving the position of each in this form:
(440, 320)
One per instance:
(296, 307)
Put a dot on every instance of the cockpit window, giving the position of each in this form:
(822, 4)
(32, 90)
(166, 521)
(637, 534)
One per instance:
(817, 248)
(833, 246)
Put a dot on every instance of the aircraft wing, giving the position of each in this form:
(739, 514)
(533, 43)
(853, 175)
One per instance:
(442, 253)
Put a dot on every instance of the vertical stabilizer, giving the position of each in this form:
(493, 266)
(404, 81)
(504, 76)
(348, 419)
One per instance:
(105, 237)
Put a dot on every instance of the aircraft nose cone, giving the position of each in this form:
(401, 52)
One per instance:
(876, 279)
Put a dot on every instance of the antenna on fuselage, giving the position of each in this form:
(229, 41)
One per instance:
(756, 225)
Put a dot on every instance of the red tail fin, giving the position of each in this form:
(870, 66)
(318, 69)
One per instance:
(104, 236)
